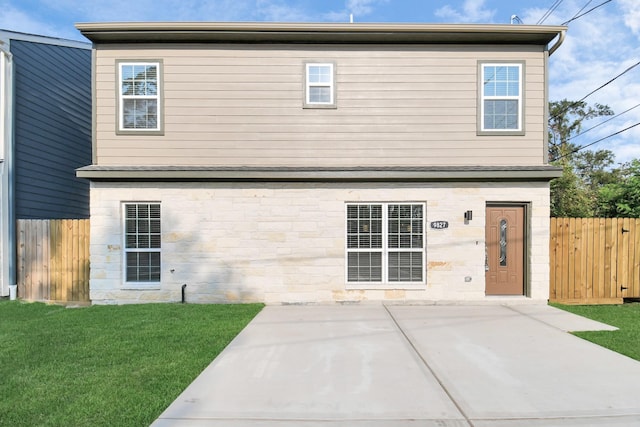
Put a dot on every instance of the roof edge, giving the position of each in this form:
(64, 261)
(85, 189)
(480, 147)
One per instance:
(38, 38)
(159, 173)
(139, 32)
(306, 26)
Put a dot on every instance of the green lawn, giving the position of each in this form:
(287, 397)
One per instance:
(106, 365)
(626, 340)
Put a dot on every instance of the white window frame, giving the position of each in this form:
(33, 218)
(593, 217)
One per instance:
(126, 250)
(519, 98)
(385, 250)
(331, 85)
(157, 97)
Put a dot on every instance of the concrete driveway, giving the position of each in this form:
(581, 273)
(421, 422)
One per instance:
(398, 365)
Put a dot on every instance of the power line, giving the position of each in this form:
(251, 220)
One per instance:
(610, 81)
(578, 12)
(549, 12)
(573, 104)
(587, 12)
(599, 140)
(603, 122)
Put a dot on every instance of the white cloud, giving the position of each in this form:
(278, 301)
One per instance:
(631, 12)
(598, 47)
(472, 11)
(627, 148)
(359, 8)
(280, 11)
(162, 10)
(208, 10)
(362, 7)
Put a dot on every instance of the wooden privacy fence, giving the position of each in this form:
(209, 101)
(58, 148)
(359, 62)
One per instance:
(594, 260)
(53, 260)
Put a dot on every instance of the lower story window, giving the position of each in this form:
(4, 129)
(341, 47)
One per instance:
(385, 243)
(142, 242)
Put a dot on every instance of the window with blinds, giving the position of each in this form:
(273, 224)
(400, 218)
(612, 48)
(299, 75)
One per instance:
(385, 243)
(142, 235)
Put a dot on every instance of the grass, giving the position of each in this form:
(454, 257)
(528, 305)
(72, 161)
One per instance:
(626, 340)
(106, 365)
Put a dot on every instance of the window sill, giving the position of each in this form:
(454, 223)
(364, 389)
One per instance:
(320, 106)
(144, 132)
(501, 133)
(141, 287)
(386, 286)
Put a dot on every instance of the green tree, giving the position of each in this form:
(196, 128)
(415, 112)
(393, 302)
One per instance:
(594, 169)
(565, 122)
(621, 198)
(576, 193)
(569, 197)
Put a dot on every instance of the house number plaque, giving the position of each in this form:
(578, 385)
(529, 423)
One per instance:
(439, 225)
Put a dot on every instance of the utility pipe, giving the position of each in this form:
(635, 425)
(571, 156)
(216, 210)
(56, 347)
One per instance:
(7, 236)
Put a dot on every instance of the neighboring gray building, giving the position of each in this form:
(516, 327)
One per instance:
(45, 134)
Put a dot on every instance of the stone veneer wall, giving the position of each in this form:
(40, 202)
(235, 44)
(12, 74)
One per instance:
(285, 242)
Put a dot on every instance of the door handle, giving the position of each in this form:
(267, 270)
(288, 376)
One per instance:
(486, 258)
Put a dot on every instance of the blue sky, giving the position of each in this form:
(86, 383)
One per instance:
(599, 45)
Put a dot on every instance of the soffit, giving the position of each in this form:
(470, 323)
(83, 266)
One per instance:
(216, 32)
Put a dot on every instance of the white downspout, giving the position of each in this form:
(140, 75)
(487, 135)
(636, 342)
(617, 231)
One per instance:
(563, 35)
(7, 247)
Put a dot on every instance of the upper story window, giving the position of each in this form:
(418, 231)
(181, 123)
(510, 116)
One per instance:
(501, 98)
(320, 85)
(139, 96)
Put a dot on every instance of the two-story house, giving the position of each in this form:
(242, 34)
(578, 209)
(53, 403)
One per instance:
(296, 163)
(45, 134)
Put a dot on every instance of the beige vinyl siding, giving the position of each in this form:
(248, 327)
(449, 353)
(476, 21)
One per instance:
(242, 105)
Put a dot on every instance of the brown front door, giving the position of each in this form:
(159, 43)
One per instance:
(505, 250)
